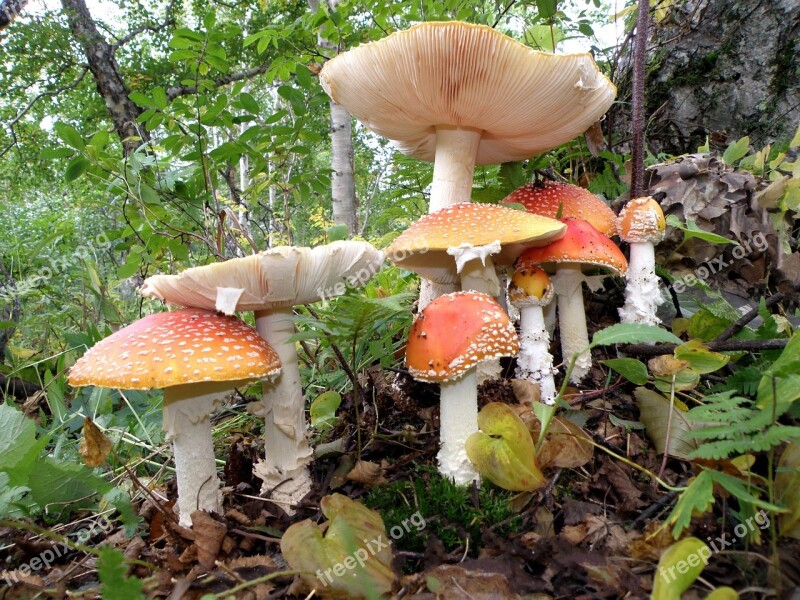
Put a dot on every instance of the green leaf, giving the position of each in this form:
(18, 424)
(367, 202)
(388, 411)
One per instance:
(631, 369)
(17, 434)
(547, 8)
(160, 98)
(9, 495)
(788, 362)
(736, 150)
(323, 410)
(75, 168)
(69, 135)
(68, 486)
(113, 573)
(55, 153)
(700, 358)
(632, 333)
(679, 567)
(692, 230)
(336, 233)
(696, 499)
(249, 103)
(503, 451)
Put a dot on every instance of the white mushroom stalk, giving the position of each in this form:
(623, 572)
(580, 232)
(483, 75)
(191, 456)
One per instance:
(574, 336)
(530, 290)
(446, 344)
(287, 448)
(641, 224)
(198, 357)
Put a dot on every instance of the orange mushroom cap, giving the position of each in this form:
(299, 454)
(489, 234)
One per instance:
(174, 348)
(530, 282)
(454, 333)
(642, 220)
(582, 244)
(545, 198)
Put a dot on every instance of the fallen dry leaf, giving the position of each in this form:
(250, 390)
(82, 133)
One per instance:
(453, 582)
(209, 535)
(367, 473)
(94, 446)
(565, 446)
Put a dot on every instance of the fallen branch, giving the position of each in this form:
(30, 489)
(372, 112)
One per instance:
(645, 350)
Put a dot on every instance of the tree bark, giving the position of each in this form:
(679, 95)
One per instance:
(638, 100)
(10, 10)
(110, 85)
(343, 186)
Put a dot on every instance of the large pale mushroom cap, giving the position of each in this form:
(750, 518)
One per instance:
(422, 248)
(454, 333)
(461, 75)
(174, 348)
(548, 197)
(281, 277)
(582, 244)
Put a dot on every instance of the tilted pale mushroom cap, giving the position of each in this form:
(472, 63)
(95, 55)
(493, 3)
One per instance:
(454, 333)
(422, 248)
(174, 348)
(281, 277)
(547, 197)
(455, 74)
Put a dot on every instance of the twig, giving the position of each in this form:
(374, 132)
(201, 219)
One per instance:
(168, 20)
(747, 317)
(645, 350)
(184, 90)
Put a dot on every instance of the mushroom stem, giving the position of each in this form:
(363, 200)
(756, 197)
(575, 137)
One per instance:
(186, 422)
(459, 419)
(642, 294)
(535, 362)
(454, 163)
(287, 449)
(430, 291)
(567, 283)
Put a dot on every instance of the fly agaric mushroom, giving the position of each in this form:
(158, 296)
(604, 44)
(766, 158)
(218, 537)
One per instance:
(449, 338)
(197, 356)
(529, 291)
(582, 249)
(463, 243)
(270, 284)
(460, 94)
(559, 200)
(642, 225)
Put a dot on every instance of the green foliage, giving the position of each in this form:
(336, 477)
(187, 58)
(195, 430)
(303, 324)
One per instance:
(448, 509)
(114, 581)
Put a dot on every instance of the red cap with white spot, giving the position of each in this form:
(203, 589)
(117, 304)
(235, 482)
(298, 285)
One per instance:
(454, 333)
(174, 348)
(548, 197)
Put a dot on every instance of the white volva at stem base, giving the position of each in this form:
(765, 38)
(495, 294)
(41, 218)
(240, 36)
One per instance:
(458, 419)
(642, 294)
(567, 284)
(535, 362)
(284, 470)
(186, 421)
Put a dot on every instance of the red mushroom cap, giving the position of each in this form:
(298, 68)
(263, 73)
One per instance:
(545, 199)
(454, 333)
(173, 348)
(642, 220)
(582, 244)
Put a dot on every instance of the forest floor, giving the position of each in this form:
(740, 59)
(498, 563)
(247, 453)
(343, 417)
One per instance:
(594, 531)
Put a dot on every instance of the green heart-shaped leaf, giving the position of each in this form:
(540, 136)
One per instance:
(503, 450)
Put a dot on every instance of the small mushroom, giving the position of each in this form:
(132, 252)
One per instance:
(642, 225)
(448, 340)
(582, 250)
(529, 291)
(198, 357)
(270, 283)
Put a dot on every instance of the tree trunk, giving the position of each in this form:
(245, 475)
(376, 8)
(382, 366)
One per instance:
(110, 85)
(343, 186)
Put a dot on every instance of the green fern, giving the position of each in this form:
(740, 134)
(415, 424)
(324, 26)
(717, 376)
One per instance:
(731, 425)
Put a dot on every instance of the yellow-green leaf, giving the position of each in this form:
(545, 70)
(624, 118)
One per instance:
(665, 433)
(700, 358)
(503, 451)
(678, 568)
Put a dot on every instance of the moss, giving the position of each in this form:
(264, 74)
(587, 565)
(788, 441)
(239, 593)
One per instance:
(449, 511)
